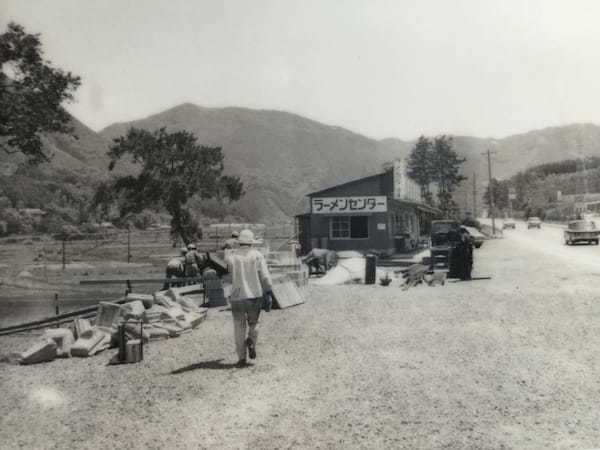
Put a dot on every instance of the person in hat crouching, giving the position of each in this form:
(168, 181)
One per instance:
(232, 242)
(194, 262)
(175, 268)
(251, 283)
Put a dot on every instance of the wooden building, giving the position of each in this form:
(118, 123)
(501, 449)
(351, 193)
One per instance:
(382, 212)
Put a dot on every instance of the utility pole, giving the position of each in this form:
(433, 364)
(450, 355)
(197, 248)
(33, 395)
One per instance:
(491, 192)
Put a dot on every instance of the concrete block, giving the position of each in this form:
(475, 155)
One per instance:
(133, 310)
(154, 314)
(63, 338)
(41, 352)
(187, 304)
(90, 346)
(175, 313)
(195, 319)
(156, 333)
(109, 315)
(161, 298)
(133, 329)
(83, 328)
(146, 299)
(170, 327)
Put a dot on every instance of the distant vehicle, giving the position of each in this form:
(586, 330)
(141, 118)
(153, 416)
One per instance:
(534, 222)
(477, 237)
(509, 223)
(581, 231)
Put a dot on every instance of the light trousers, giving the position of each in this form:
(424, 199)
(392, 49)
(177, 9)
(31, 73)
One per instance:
(245, 319)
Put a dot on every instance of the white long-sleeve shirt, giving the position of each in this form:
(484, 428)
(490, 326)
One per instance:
(250, 274)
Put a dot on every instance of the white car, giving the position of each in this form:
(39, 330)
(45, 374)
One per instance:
(534, 222)
(509, 223)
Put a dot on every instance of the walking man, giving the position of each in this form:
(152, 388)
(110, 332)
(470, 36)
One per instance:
(251, 282)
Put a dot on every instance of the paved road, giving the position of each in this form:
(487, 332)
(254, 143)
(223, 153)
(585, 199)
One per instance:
(548, 242)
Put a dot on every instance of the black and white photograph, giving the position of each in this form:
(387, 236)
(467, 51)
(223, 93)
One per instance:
(316, 224)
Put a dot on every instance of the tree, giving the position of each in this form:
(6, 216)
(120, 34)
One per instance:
(174, 168)
(420, 167)
(500, 190)
(31, 95)
(446, 172)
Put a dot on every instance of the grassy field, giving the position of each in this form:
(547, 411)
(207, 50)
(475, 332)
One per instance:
(31, 270)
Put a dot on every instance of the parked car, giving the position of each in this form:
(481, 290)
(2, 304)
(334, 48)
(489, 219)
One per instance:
(477, 237)
(581, 231)
(509, 223)
(534, 222)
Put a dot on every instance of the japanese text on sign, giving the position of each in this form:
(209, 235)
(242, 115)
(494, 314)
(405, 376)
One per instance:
(331, 205)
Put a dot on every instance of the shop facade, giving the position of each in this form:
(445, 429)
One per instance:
(382, 213)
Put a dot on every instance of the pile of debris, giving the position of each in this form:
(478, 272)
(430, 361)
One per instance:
(421, 274)
(165, 314)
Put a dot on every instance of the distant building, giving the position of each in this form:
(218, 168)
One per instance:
(382, 212)
(582, 203)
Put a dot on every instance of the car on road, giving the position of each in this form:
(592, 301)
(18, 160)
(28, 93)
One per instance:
(534, 222)
(509, 223)
(581, 231)
(477, 237)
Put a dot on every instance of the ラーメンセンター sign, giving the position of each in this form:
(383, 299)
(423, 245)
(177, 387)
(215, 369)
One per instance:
(334, 205)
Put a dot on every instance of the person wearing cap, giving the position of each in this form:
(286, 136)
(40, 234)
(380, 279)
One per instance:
(232, 242)
(176, 267)
(251, 285)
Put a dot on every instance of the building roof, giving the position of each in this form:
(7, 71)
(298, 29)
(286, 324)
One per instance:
(422, 206)
(347, 184)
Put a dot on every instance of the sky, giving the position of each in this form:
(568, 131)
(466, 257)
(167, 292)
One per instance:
(487, 68)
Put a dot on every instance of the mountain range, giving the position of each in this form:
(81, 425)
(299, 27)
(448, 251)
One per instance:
(281, 157)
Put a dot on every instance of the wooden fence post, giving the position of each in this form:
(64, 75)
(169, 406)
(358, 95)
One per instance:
(56, 308)
(64, 254)
(128, 244)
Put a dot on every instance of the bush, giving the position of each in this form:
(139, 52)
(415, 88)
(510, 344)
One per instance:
(145, 219)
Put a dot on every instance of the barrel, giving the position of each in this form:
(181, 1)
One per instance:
(370, 269)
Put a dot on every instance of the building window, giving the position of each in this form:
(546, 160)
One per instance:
(345, 227)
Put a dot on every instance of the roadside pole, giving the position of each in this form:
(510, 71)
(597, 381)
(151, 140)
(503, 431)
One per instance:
(491, 193)
(64, 254)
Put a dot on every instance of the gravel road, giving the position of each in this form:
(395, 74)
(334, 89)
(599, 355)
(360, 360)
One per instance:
(509, 362)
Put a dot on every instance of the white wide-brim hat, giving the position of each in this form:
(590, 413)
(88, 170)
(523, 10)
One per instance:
(247, 237)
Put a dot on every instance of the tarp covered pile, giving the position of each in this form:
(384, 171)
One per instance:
(165, 314)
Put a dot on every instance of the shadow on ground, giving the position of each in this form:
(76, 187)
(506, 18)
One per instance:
(215, 364)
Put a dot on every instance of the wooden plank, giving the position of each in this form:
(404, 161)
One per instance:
(286, 295)
(144, 281)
